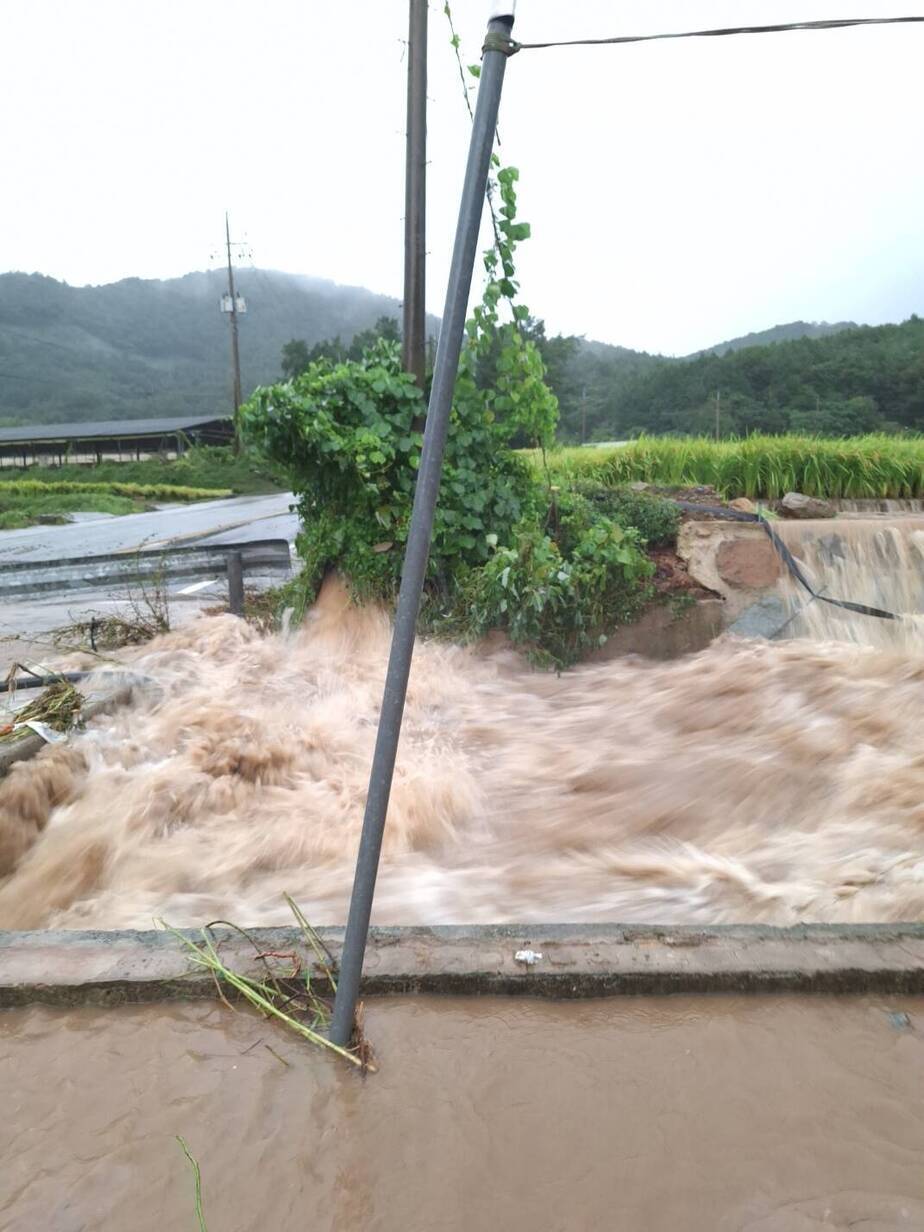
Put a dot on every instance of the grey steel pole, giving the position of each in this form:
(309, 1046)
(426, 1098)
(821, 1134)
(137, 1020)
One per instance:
(491, 83)
(414, 328)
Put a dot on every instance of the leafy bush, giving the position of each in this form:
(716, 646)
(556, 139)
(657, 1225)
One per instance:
(348, 434)
(557, 593)
(656, 520)
(556, 575)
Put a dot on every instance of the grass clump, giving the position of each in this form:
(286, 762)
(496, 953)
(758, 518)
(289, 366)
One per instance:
(864, 467)
(18, 511)
(291, 997)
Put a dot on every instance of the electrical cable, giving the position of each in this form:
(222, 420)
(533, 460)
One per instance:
(511, 46)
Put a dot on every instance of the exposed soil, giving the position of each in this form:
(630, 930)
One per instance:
(672, 576)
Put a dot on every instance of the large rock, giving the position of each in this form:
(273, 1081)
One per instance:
(797, 505)
(749, 563)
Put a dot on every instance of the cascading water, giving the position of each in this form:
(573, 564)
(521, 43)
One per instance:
(878, 562)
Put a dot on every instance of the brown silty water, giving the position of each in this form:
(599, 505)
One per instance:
(758, 781)
(677, 1114)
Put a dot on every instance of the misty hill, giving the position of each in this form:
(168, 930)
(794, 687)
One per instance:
(147, 348)
(849, 380)
(143, 348)
(779, 333)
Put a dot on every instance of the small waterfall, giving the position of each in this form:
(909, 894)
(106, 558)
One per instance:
(867, 508)
(875, 561)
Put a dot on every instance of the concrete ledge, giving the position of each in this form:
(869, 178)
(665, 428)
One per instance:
(94, 968)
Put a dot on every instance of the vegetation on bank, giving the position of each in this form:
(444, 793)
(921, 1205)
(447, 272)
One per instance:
(17, 512)
(204, 467)
(876, 466)
(511, 550)
(26, 502)
(24, 488)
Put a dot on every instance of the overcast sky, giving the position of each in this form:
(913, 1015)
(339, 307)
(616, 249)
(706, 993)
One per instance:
(680, 193)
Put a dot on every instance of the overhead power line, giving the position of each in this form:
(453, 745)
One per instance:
(511, 47)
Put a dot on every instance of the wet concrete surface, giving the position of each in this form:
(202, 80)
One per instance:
(248, 516)
(25, 621)
(672, 1114)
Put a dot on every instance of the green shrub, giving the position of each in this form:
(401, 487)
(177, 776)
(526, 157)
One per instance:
(348, 435)
(655, 519)
(557, 597)
(556, 575)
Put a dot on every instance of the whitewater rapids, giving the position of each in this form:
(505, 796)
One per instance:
(753, 782)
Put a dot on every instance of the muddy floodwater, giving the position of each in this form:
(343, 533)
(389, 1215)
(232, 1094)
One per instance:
(631, 1115)
(770, 782)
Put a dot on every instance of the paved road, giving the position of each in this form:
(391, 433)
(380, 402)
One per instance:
(238, 519)
(25, 622)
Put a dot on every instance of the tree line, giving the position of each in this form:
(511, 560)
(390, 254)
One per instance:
(857, 380)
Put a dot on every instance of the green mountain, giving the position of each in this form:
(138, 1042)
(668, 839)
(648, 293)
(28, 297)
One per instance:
(778, 333)
(836, 380)
(142, 348)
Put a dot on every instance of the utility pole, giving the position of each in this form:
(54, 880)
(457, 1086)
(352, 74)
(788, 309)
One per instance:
(414, 329)
(718, 412)
(232, 310)
(584, 415)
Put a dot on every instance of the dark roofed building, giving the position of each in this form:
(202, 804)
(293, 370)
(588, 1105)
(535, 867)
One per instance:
(120, 438)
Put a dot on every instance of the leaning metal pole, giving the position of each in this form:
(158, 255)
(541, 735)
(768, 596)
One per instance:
(418, 544)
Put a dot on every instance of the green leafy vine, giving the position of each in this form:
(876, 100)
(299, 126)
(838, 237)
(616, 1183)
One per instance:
(508, 551)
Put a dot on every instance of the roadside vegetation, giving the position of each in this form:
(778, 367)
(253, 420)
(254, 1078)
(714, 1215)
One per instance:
(876, 467)
(204, 467)
(512, 549)
(28, 502)
(52, 493)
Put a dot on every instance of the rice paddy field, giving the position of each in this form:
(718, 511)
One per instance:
(25, 501)
(862, 467)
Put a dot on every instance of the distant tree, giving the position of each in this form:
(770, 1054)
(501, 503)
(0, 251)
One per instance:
(295, 358)
(852, 417)
(328, 348)
(385, 327)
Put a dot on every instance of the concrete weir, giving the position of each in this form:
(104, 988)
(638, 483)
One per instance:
(542, 960)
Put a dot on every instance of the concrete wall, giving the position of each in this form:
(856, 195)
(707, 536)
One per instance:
(738, 562)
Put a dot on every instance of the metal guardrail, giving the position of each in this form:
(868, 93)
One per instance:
(32, 577)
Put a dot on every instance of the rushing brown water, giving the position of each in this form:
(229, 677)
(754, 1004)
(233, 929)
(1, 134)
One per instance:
(632, 1115)
(773, 782)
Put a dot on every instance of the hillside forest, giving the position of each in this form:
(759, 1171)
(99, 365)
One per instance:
(141, 348)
